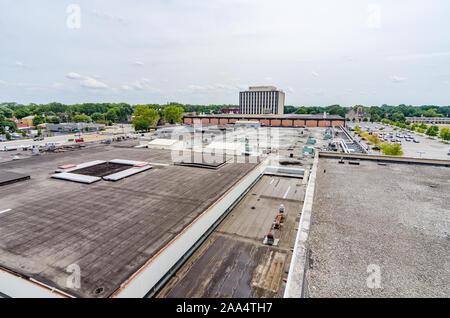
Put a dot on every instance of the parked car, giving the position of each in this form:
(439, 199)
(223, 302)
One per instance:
(38, 138)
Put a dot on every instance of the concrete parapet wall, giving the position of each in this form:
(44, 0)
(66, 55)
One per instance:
(383, 158)
(295, 281)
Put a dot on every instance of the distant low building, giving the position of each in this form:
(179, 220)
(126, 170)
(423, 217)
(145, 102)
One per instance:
(23, 127)
(270, 120)
(429, 120)
(230, 110)
(28, 120)
(357, 115)
(13, 119)
(74, 127)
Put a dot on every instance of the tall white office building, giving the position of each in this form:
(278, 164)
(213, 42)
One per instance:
(259, 100)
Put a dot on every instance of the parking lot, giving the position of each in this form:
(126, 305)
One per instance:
(426, 147)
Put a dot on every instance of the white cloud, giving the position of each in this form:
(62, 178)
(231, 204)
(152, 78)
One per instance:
(73, 75)
(212, 87)
(142, 84)
(109, 17)
(398, 79)
(57, 85)
(2, 82)
(374, 16)
(413, 57)
(20, 64)
(315, 74)
(139, 63)
(93, 83)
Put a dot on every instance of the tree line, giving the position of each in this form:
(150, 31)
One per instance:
(153, 114)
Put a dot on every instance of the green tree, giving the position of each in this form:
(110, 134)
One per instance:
(445, 134)
(6, 112)
(432, 131)
(11, 124)
(81, 118)
(398, 116)
(22, 112)
(301, 110)
(38, 119)
(141, 125)
(97, 116)
(390, 149)
(144, 112)
(112, 115)
(173, 114)
(375, 118)
(8, 136)
(430, 113)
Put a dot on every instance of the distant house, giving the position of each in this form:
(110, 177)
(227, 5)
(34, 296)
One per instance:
(357, 115)
(23, 127)
(13, 119)
(230, 110)
(28, 121)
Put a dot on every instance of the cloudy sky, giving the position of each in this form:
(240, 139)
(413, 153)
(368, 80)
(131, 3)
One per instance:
(205, 51)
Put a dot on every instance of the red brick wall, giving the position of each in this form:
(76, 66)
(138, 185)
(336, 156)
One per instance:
(265, 122)
(338, 123)
(287, 123)
(275, 123)
(324, 123)
(299, 122)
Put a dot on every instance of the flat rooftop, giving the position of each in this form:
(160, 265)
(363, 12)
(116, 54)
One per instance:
(273, 116)
(393, 216)
(109, 229)
(233, 261)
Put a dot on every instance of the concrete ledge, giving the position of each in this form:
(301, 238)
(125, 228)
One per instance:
(18, 287)
(294, 285)
(76, 177)
(383, 158)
